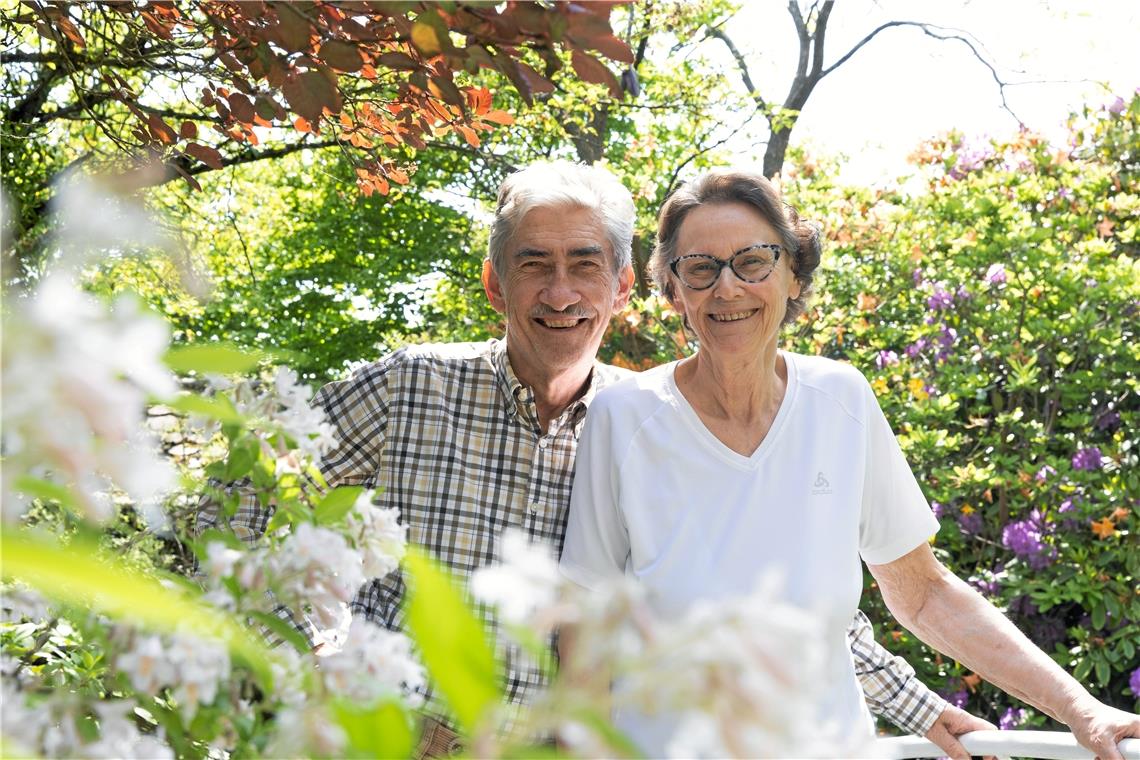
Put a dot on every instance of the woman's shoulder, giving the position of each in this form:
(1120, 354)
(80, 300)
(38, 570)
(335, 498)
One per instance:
(639, 391)
(838, 380)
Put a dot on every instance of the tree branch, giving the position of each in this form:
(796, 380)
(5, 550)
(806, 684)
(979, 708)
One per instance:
(742, 65)
(938, 33)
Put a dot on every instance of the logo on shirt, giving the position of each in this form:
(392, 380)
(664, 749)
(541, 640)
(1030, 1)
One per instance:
(821, 486)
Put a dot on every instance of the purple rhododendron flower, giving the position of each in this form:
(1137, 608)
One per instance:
(1108, 420)
(1011, 718)
(938, 508)
(1044, 473)
(947, 336)
(971, 523)
(1117, 106)
(886, 359)
(995, 275)
(962, 294)
(1134, 682)
(1025, 538)
(1088, 458)
(941, 299)
(915, 348)
(958, 698)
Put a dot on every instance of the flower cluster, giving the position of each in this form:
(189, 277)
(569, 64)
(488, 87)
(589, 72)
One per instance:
(737, 677)
(190, 665)
(76, 379)
(1026, 538)
(372, 663)
(1089, 459)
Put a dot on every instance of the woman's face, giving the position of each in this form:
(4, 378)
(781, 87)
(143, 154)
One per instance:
(733, 317)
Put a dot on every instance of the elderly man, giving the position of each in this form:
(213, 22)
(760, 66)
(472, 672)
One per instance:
(469, 439)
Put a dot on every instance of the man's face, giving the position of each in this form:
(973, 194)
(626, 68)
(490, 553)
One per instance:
(558, 292)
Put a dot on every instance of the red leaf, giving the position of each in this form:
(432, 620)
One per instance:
(160, 129)
(205, 154)
(241, 108)
(468, 135)
(188, 130)
(341, 55)
(608, 45)
(592, 70)
(397, 60)
(446, 90)
(293, 29)
(478, 99)
(310, 93)
(499, 117)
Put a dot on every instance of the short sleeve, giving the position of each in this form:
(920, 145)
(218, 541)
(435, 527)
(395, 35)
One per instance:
(895, 516)
(597, 542)
(358, 410)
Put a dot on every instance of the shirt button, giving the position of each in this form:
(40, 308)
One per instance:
(535, 506)
(543, 442)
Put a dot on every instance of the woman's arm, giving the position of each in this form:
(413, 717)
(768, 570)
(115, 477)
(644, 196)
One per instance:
(947, 614)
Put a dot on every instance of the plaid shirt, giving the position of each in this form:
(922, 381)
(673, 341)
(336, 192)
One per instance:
(453, 439)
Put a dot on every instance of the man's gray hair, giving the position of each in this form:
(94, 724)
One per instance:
(548, 184)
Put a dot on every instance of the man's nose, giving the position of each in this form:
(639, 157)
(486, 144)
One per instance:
(560, 291)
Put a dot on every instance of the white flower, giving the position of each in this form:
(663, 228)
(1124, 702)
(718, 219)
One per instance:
(19, 602)
(373, 662)
(146, 665)
(190, 665)
(119, 737)
(378, 534)
(76, 377)
(526, 580)
(316, 566)
(304, 731)
(221, 560)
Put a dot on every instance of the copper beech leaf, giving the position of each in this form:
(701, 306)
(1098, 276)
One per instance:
(205, 154)
(592, 70)
(343, 56)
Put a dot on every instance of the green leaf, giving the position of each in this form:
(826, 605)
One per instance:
(284, 630)
(336, 504)
(77, 574)
(457, 654)
(1081, 672)
(382, 730)
(44, 489)
(1103, 672)
(239, 463)
(215, 407)
(1098, 615)
(215, 358)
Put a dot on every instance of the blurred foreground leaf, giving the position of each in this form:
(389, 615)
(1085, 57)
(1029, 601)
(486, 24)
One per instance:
(77, 574)
(452, 641)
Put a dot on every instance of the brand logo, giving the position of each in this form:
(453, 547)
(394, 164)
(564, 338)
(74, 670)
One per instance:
(821, 486)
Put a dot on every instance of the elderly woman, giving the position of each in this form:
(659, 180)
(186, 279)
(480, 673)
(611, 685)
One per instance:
(698, 476)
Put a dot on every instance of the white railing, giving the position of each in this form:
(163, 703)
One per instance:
(1047, 745)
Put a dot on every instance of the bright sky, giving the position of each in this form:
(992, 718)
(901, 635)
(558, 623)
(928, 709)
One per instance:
(904, 86)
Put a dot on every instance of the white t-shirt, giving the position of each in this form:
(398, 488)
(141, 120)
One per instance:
(658, 497)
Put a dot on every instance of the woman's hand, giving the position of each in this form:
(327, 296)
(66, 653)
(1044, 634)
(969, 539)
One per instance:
(1099, 727)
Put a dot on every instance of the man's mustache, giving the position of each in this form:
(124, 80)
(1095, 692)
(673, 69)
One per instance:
(571, 312)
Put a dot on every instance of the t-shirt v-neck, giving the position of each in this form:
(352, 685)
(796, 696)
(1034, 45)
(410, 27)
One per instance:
(717, 447)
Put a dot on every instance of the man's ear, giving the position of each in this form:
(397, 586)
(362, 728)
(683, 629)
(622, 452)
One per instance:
(493, 288)
(624, 288)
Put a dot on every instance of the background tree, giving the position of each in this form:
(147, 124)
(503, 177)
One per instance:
(200, 86)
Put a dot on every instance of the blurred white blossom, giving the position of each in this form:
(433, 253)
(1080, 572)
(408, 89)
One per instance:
(378, 534)
(76, 378)
(315, 566)
(190, 666)
(373, 662)
(525, 581)
(307, 731)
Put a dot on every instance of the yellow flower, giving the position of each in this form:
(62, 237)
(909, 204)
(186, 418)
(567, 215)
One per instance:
(918, 389)
(879, 385)
(967, 509)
